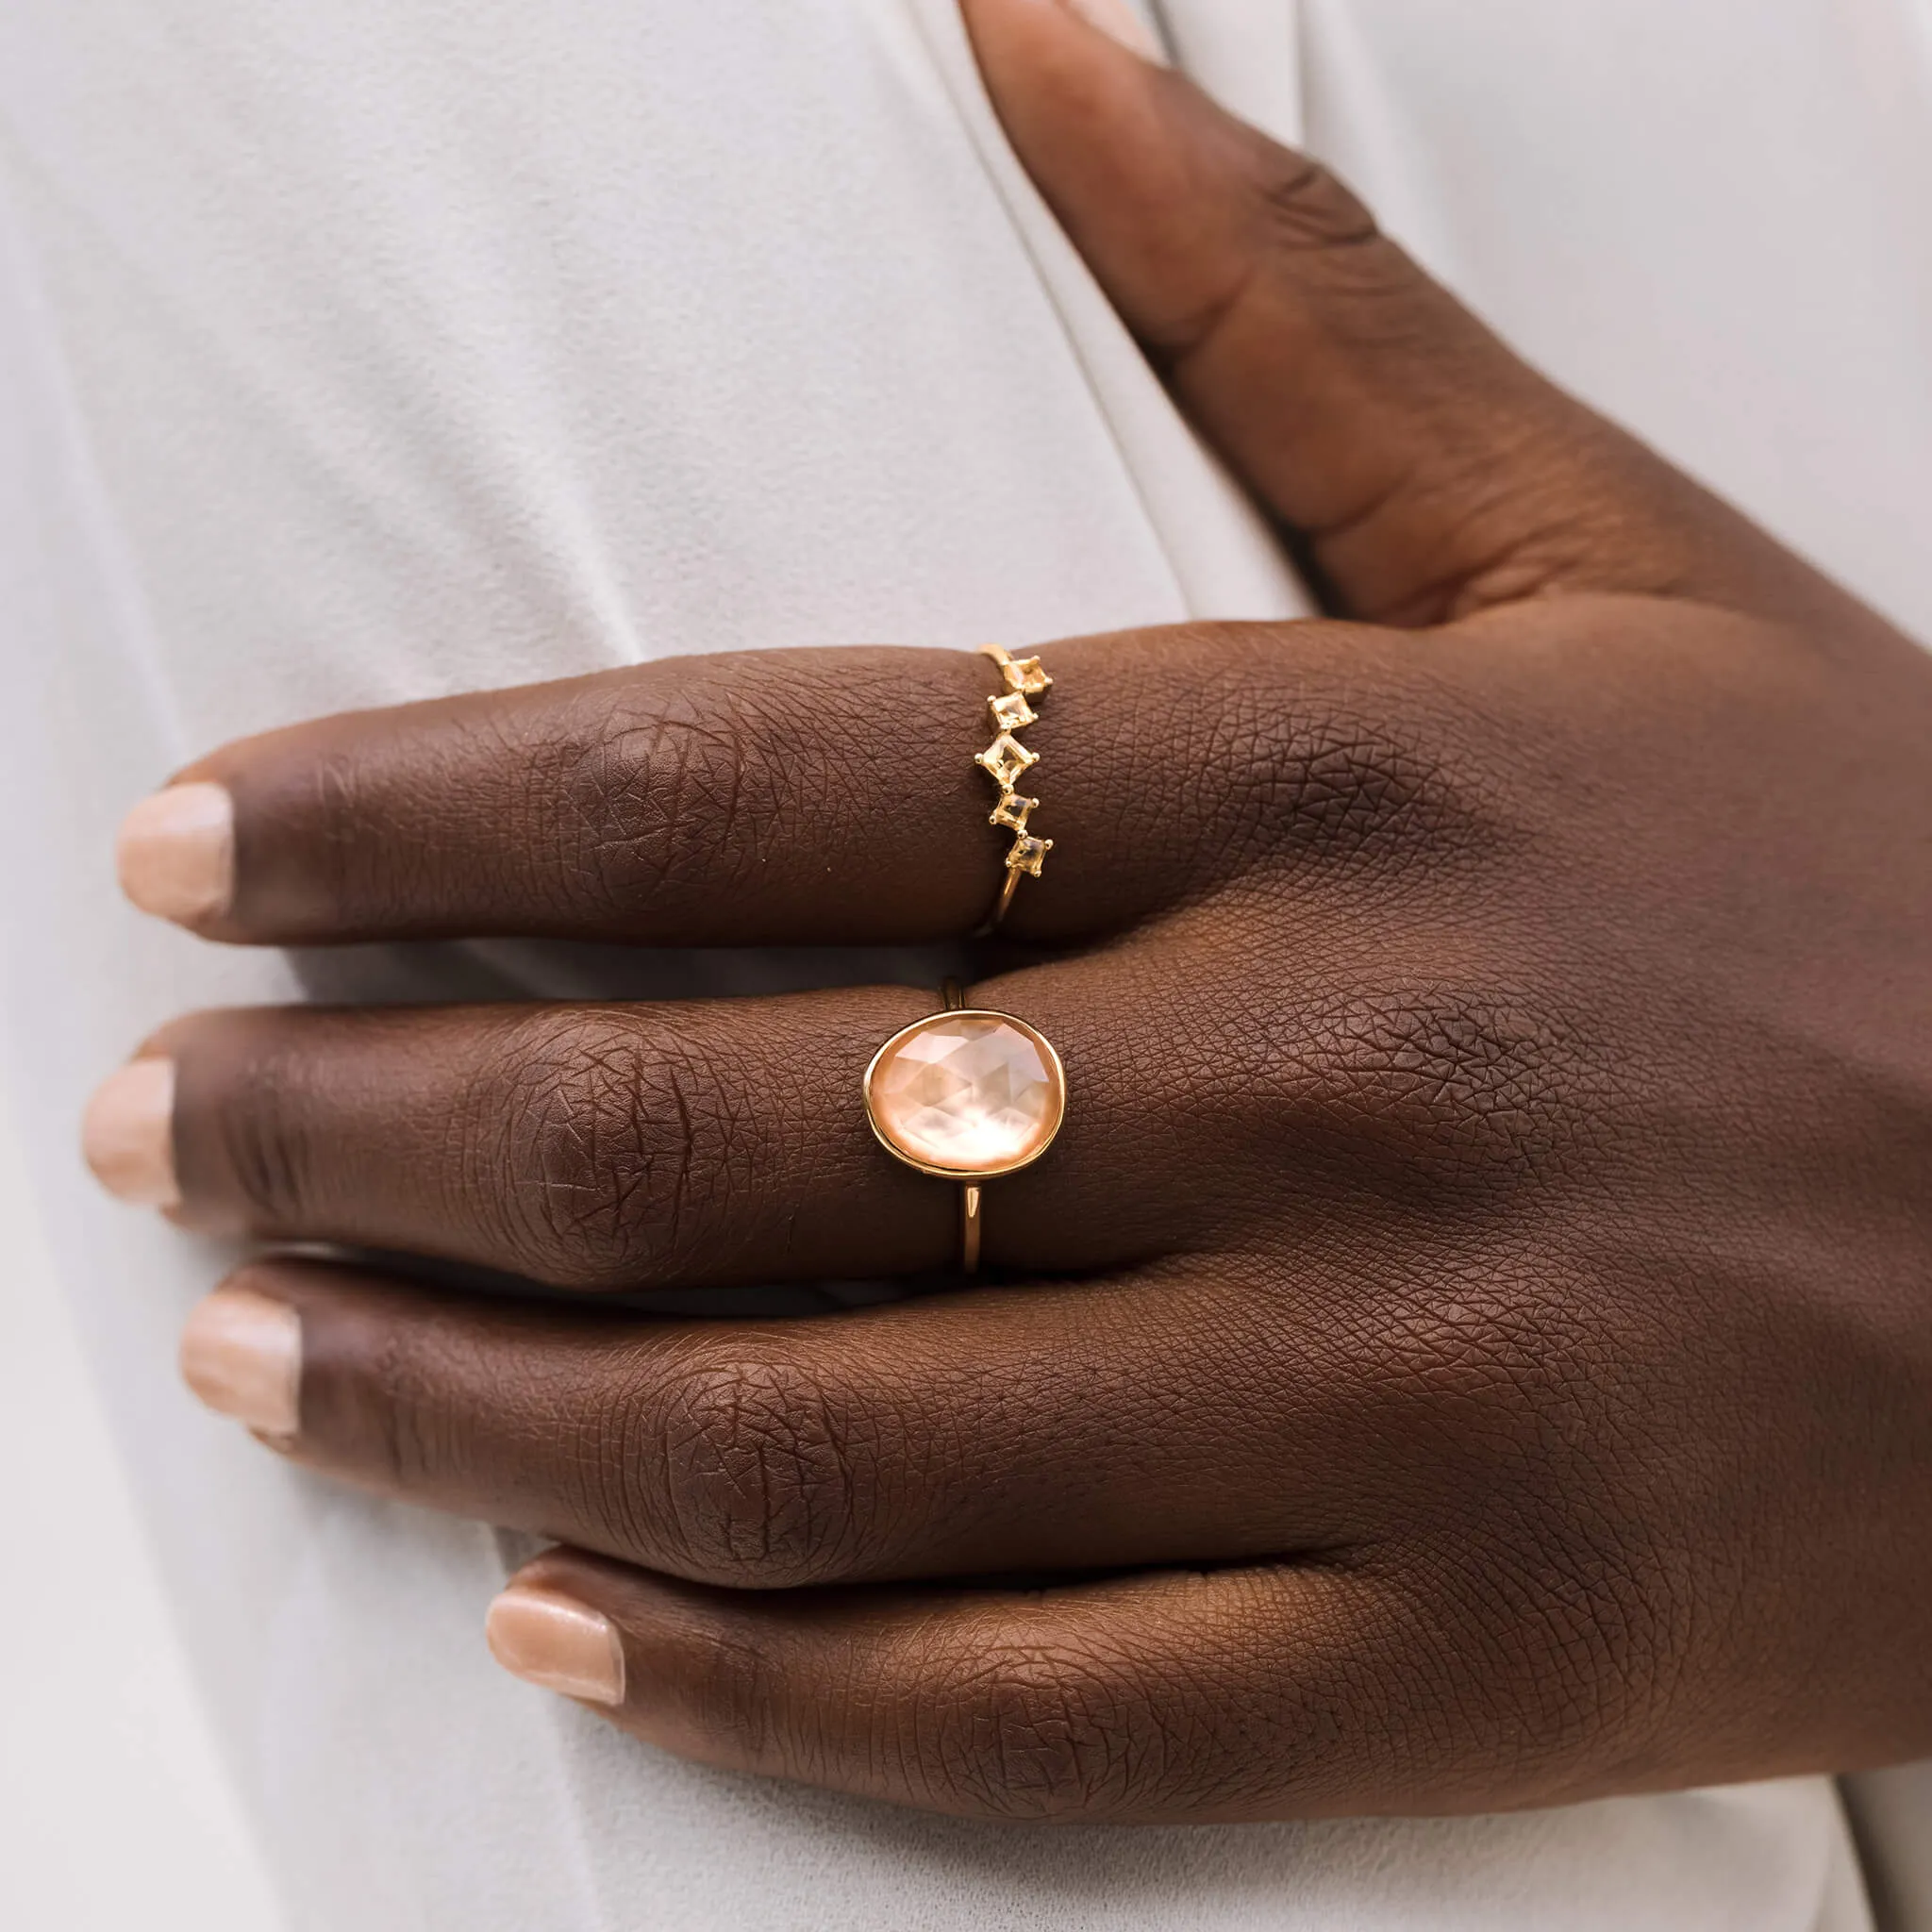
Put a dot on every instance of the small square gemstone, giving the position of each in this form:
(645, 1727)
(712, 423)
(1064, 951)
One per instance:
(1005, 759)
(1026, 676)
(1012, 712)
(1029, 854)
(1011, 811)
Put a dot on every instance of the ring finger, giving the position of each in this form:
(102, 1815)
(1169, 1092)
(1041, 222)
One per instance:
(952, 1435)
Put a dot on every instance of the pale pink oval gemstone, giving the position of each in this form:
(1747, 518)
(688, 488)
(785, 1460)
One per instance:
(970, 1093)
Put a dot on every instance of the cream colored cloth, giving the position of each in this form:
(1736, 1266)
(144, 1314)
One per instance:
(361, 351)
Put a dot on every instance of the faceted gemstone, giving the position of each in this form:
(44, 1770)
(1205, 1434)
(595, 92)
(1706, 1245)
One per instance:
(970, 1093)
(1026, 676)
(1029, 854)
(1012, 712)
(1006, 758)
(1012, 811)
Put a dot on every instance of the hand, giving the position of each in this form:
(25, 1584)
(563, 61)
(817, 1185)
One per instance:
(1472, 1343)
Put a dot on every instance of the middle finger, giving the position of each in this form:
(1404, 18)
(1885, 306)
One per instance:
(621, 1147)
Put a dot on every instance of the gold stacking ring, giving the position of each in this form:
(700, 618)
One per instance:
(1005, 762)
(966, 1095)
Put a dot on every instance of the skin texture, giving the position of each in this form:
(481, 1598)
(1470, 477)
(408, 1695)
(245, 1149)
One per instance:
(1471, 1345)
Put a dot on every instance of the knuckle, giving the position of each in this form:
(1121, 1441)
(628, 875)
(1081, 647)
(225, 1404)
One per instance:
(1446, 1084)
(766, 1472)
(381, 1394)
(1042, 1731)
(1354, 791)
(1506, 1394)
(1325, 245)
(1343, 781)
(736, 1699)
(343, 870)
(264, 1146)
(1438, 1065)
(413, 1438)
(1566, 1642)
(617, 1145)
(1562, 1620)
(1602, 1609)
(1493, 1374)
(1304, 231)
(1343, 756)
(1305, 206)
(662, 801)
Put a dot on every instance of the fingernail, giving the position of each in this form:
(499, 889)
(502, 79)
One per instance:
(176, 852)
(242, 1354)
(557, 1642)
(1119, 21)
(127, 1136)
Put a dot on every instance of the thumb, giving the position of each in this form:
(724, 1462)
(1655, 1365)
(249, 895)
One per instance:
(1421, 469)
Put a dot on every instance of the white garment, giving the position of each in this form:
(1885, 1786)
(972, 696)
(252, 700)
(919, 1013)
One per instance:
(363, 351)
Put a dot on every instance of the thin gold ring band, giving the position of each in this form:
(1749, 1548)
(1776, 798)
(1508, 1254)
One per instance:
(970, 1218)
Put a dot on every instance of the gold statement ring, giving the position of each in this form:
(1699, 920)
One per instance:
(1006, 761)
(966, 1095)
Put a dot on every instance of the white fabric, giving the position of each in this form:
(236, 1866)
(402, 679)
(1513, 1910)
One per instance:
(357, 352)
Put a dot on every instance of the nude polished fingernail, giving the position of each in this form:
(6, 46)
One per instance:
(558, 1644)
(127, 1136)
(242, 1354)
(1119, 21)
(176, 852)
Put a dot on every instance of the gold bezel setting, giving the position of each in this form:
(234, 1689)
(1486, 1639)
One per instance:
(1056, 1084)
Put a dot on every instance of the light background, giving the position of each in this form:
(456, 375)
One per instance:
(114, 1811)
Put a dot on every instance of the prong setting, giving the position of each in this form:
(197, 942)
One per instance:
(1007, 760)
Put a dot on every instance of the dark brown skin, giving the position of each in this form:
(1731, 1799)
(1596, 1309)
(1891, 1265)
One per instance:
(1479, 1313)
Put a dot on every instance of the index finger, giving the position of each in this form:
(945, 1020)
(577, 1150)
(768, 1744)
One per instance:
(763, 797)
(748, 798)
